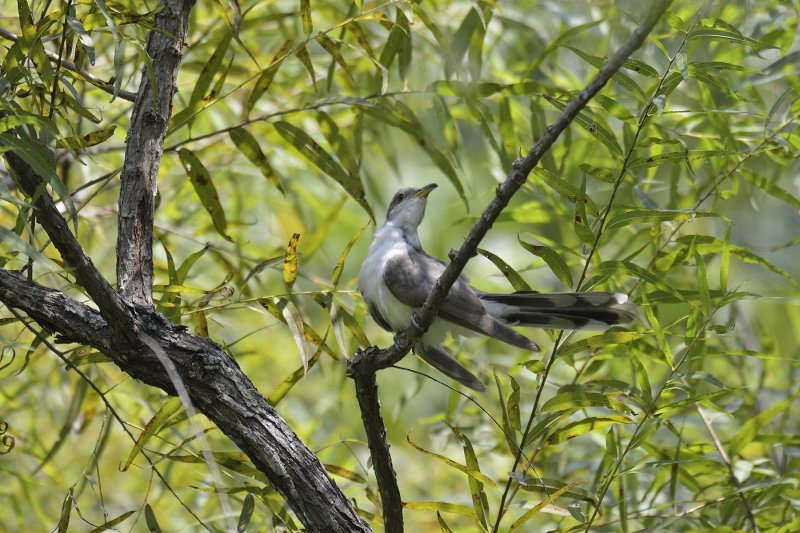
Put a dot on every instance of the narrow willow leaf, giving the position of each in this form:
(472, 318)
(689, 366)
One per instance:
(677, 157)
(557, 265)
(77, 28)
(580, 224)
(549, 486)
(305, 15)
(549, 500)
(304, 57)
(234, 461)
(615, 108)
(266, 77)
(507, 270)
(398, 45)
(479, 500)
(707, 244)
(508, 432)
(702, 284)
(66, 511)
(344, 473)
(351, 324)
(479, 90)
(716, 34)
(183, 271)
(294, 320)
(248, 506)
(592, 125)
(573, 400)
(290, 261)
(113, 522)
(596, 342)
(324, 161)
(204, 187)
(442, 507)
(150, 519)
(623, 217)
(338, 142)
(248, 145)
(294, 378)
(754, 426)
(564, 188)
(361, 38)
(771, 188)
(666, 350)
(586, 425)
(463, 36)
(272, 307)
(621, 78)
(611, 267)
(641, 377)
(90, 139)
(475, 474)
(210, 69)
(337, 270)
(168, 410)
(725, 260)
(698, 399)
(330, 46)
(558, 42)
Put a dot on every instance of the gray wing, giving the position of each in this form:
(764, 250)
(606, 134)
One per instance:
(410, 277)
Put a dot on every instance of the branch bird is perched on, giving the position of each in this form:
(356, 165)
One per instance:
(397, 276)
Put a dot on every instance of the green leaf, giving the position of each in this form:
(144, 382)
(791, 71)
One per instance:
(248, 145)
(557, 265)
(565, 188)
(593, 125)
(748, 432)
(442, 507)
(66, 511)
(479, 500)
(471, 472)
(337, 270)
(597, 342)
(510, 274)
(549, 500)
(266, 77)
(573, 400)
(204, 187)
(305, 15)
(168, 410)
(609, 268)
(290, 261)
(625, 216)
(248, 506)
(324, 161)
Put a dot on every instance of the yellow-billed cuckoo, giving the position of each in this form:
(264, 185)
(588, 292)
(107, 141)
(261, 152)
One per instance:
(397, 276)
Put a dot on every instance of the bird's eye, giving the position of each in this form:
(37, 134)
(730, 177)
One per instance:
(400, 196)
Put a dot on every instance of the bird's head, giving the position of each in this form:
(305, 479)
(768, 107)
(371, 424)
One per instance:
(408, 207)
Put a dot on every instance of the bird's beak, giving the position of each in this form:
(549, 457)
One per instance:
(425, 191)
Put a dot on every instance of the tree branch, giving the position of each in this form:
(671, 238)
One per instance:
(216, 386)
(81, 74)
(86, 274)
(139, 178)
(361, 368)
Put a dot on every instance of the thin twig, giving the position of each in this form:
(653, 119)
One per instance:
(69, 65)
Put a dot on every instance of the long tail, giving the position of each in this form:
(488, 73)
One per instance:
(566, 310)
(444, 362)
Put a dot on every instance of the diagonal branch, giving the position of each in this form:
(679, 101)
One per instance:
(139, 178)
(216, 386)
(86, 274)
(363, 366)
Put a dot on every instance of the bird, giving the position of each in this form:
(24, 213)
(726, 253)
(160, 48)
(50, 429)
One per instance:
(397, 275)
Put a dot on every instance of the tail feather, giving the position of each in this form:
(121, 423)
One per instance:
(574, 310)
(443, 362)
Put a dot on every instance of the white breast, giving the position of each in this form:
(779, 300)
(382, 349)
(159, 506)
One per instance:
(385, 245)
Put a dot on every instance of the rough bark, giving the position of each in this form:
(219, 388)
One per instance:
(145, 144)
(216, 386)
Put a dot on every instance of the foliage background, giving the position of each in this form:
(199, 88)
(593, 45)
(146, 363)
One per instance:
(402, 94)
